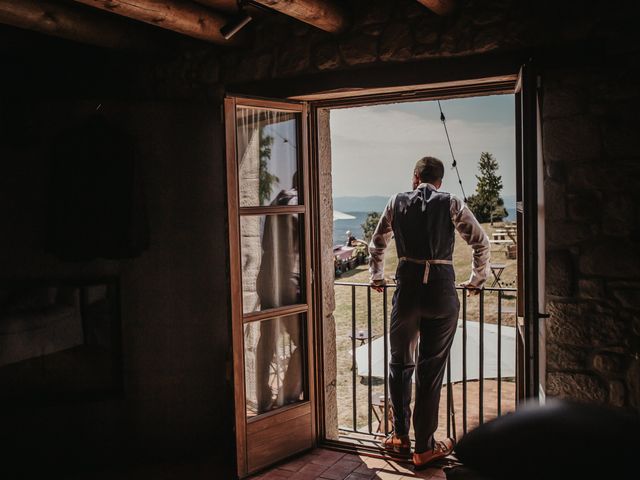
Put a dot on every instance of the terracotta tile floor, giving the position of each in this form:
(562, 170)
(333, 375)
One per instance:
(324, 464)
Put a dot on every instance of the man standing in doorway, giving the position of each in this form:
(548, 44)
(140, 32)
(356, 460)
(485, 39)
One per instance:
(425, 303)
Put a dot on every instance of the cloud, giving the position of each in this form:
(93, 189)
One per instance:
(374, 150)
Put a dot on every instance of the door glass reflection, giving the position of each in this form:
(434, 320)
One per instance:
(267, 143)
(270, 246)
(274, 359)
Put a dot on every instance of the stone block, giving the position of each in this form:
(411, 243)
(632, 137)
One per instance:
(559, 273)
(555, 205)
(254, 68)
(617, 393)
(608, 364)
(566, 325)
(611, 259)
(563, 100)
(487, 39)
(555, 171)
(575, 139)
(294, 58)
(576, 386)
(426, 30)
(618, 214)
(359, 49)
(565, 234)
(633, 383)
(627, 294)
(591, 288)
(585, 207)
(564, 357)
(620, 136)
(395, 42)
(371, 11)
(607, 330)
(326, 56)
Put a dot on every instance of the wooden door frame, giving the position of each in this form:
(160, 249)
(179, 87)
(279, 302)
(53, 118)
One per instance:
(503, 84)
(419, 81)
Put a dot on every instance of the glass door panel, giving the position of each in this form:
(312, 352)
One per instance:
(267, 156)
(270, 247)
(274, 364)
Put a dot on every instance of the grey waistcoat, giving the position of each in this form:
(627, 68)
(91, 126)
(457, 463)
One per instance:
(423, 229)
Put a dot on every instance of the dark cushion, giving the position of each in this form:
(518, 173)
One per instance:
(559, 440)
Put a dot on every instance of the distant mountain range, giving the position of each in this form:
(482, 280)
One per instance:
(376, 203)
(360, 204)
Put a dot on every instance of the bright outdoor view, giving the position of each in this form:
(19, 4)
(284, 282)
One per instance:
(374, 150)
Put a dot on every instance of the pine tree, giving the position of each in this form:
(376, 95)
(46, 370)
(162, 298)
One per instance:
(486, 203)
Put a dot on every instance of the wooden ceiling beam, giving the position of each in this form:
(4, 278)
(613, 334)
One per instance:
(326, 15)
(79, 25)
(183, 17)
(440, 7)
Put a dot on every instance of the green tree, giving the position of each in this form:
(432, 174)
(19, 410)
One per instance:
(266, 179)
(486, 203)
(369, 225)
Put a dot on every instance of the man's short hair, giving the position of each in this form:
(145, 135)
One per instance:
(429, 169)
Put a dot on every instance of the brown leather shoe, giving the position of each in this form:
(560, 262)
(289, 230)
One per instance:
(397, 443)
(441, 450)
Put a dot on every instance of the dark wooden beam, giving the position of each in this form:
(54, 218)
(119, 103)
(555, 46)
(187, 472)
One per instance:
(440, 7)
(326, 15)
(183, 17)
(434, 73)
(79, 25)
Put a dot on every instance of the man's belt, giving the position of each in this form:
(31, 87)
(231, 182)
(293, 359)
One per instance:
(427, 264)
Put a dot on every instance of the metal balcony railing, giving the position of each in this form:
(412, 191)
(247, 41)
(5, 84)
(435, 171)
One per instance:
(481, 331)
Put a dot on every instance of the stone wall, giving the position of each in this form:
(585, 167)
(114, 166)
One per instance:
(593, 233)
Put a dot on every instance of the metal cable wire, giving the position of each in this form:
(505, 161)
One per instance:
(454, 164)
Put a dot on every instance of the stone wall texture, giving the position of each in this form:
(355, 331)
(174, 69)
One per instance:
(590, 122)
(590, 114)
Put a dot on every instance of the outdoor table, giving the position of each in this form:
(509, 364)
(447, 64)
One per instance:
(497, 269)
(362, 336)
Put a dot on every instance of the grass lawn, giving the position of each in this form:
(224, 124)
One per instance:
(343, 316)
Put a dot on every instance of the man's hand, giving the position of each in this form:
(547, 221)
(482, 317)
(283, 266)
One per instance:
(378, 285)
(471, 291)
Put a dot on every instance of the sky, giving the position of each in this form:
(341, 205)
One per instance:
(374, 149)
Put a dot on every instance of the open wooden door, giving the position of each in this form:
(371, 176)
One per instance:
(531, 237)
(269, 240)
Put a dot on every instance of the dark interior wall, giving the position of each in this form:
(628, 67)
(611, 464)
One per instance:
(174, 296)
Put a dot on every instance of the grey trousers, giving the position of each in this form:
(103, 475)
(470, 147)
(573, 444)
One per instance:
(428, 312)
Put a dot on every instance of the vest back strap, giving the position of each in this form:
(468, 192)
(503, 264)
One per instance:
(427, 264)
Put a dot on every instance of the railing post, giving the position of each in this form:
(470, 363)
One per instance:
(464, 360)
(369, 392)
(385, 335)
(353, 358)
(481, 360)
(499, 352)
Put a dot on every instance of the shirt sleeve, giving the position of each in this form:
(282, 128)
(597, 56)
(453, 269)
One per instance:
(471, 232)
(380, 241)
